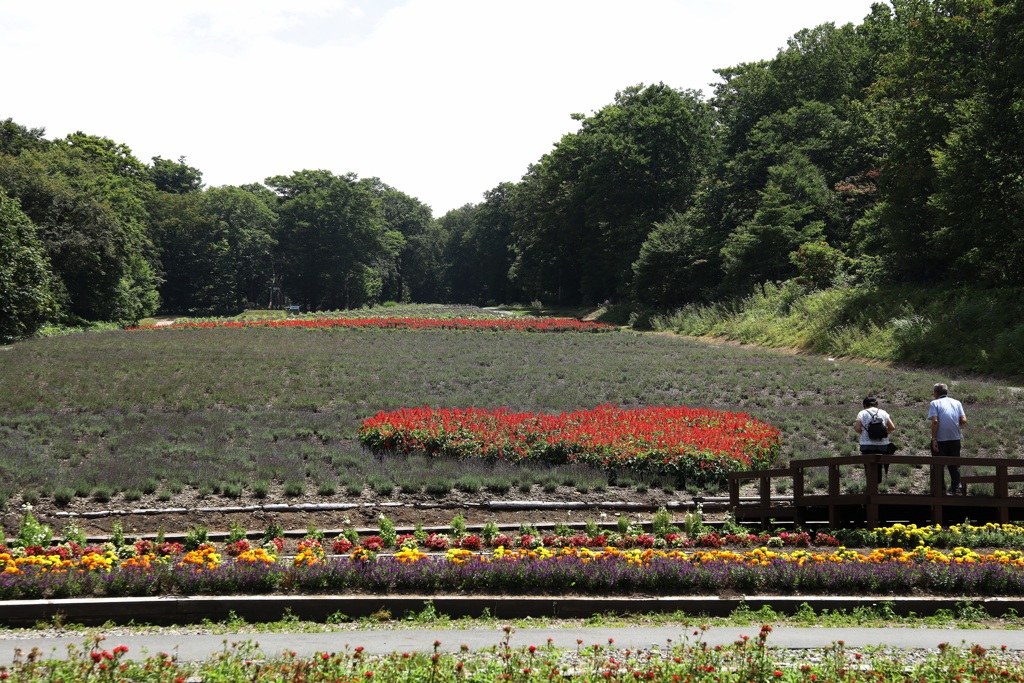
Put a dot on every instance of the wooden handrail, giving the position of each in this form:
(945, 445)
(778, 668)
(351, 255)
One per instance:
(870, 499)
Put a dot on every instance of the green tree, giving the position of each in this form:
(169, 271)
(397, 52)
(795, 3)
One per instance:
(979, 188)
(827, 65)
(86, 197)
(410, 266)
(926, 93)
(791, 129)
(586, 207)
(680, 261)
(216, 249)
(792, 210)
(477, 253)
(331, 239)
(247, 226)
(26, 296)
(14, 138)
(193, 257)
(176, 177)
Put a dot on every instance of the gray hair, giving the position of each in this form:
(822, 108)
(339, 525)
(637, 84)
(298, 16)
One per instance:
(940, 389)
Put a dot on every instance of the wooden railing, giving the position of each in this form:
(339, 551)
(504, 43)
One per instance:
(870, 507)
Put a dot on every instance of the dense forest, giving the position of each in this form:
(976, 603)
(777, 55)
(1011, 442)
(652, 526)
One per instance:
(885, 159)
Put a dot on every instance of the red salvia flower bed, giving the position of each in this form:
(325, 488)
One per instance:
(488, 325)
(683, 441)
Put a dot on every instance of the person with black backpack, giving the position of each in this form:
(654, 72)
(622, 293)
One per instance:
(874, 426)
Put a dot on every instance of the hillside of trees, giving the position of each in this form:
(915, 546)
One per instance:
(883, 160)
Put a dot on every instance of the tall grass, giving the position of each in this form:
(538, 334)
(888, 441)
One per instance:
(974, 330)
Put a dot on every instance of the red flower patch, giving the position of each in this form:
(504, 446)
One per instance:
(672, 440)
(480, 324)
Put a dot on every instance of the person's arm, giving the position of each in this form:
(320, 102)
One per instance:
(890, 425)
(857, 426)
(963, 420)
(935, 429)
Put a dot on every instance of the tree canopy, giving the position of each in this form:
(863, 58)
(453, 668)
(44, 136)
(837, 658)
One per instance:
(886, 151)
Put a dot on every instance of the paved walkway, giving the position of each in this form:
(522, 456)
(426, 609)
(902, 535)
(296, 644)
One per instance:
(199, 647)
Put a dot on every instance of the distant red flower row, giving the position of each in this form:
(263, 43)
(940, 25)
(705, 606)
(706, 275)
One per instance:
(493, 325)
(672, 440)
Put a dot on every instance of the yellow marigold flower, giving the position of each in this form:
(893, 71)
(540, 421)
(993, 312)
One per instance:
(308, 557)
(254, 555)
(410, 555)
(98, 561)
(456, 555)
(360, 554)
(140, 561)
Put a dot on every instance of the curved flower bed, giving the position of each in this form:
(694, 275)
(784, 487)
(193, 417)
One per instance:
(673, 440)
(477, 324)
(585, 571)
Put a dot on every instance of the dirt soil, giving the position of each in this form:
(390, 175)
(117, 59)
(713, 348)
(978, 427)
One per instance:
(189, 509)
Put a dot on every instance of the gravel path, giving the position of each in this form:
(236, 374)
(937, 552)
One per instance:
(788, 643)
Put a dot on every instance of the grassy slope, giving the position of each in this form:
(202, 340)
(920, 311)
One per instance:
(975, 331)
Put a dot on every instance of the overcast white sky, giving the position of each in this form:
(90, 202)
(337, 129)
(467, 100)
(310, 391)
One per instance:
(441, 99)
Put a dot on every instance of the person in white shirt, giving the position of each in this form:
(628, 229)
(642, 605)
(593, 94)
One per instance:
(868, 443)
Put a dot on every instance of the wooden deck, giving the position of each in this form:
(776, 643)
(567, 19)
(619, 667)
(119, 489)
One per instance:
(869, 507)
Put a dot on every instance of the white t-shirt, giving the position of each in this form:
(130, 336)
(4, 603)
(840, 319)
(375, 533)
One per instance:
(865, 417)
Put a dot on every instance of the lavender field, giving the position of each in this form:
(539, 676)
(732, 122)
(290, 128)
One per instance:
(265, 413)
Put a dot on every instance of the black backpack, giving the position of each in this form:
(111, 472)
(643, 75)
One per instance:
(876, 427)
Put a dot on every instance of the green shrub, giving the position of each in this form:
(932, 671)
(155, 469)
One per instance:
(32, 532)
(313, 533)
(489, 531)
(387, 531)
(232, 489)
(63, 496)
(438, 486)
(499, 484)
(74, 533)
(235, 533)
(196, 536)
(274, 530)
(382, 486)
(458, 525)
(661, 523)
